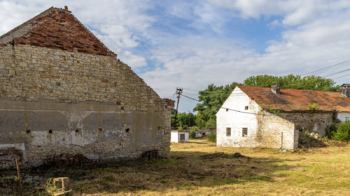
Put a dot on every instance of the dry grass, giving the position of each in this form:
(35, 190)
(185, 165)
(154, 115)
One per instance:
(314, 171)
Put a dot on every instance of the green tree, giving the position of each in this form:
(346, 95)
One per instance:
(211, 123)
(211, 99)
(294, 82)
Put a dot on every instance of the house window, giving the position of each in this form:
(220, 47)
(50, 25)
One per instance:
(182, 137)
(244, 132)
(346, 118)
(228, 131)
(246, 107)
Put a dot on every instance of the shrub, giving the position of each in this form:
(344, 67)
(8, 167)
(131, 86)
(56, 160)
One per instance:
(343, 132)
(180, 128)
(330, 130)
(211, 137)
(192, 134)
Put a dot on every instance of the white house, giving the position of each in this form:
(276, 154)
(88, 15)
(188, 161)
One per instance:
(273, 117)
(179, 136)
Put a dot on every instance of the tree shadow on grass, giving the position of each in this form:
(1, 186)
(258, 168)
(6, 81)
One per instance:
(184, 169)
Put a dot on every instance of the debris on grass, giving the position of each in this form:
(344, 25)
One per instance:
(217, 155)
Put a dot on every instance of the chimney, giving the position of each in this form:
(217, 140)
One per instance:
(66, 7)
(345, 90)
(275, 87)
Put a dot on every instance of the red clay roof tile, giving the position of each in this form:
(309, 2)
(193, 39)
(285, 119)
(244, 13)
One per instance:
(295, 99)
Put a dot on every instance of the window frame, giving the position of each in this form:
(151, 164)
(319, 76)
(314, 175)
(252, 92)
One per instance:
(228, 130)
(244, 131)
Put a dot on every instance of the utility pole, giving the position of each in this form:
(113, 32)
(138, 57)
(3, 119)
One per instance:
(178, 92)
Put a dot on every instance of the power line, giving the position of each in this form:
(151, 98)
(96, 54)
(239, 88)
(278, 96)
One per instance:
(325, 68)
(341, 76)
(336, 73)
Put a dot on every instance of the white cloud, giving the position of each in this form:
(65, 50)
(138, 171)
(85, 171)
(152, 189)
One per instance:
(295, 12)
(118, 23)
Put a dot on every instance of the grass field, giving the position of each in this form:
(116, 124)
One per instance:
(315, 171)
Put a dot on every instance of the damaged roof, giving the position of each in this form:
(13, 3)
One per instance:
(295, 99)
(56, 28)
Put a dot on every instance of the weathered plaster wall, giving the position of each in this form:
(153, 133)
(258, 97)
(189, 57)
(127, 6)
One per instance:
(276, 132)
(343, 116)
(92, 104)
(236, 121)
(313, 121)
(264, 129)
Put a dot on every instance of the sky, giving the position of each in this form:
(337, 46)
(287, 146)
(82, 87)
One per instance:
(191, 44)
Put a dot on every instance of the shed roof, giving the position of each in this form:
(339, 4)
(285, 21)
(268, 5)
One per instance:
(295, 99)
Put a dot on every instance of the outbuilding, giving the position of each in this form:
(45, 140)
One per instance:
(180, 136)
(274, 117)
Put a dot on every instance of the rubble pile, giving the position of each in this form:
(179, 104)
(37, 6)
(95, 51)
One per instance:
(148, 155)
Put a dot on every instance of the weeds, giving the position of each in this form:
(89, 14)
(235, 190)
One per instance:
(211, 137)
(313, 107)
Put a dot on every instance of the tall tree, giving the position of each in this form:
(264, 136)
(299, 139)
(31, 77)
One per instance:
(212, 99)
(294, 82)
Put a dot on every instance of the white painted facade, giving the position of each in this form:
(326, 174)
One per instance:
(343, 116)
(263, 129)
(180, 136)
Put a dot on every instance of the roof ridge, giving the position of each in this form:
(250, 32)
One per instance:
(109, 52)
(290, 88)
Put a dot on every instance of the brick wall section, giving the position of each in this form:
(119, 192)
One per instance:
(58, 29)
(9, 156)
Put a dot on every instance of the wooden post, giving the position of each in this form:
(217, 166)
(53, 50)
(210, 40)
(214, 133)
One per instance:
(19, 178)
(281, 140)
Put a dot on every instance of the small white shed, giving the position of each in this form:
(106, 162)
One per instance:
(180, 136)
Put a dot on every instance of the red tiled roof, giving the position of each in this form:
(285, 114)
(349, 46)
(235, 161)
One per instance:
(294, 99)
(56, 28)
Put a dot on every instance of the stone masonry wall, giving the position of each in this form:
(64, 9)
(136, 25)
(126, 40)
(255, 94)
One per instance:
(55, 101)
(313, 121)
(276, 132)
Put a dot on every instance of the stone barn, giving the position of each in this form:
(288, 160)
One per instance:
(274, 117)
(63, 91)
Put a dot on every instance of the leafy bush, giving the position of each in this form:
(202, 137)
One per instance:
(330, 130)
(343, 132)
(313, 107)
(211, 137)
(192, 134)
(180, 128)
